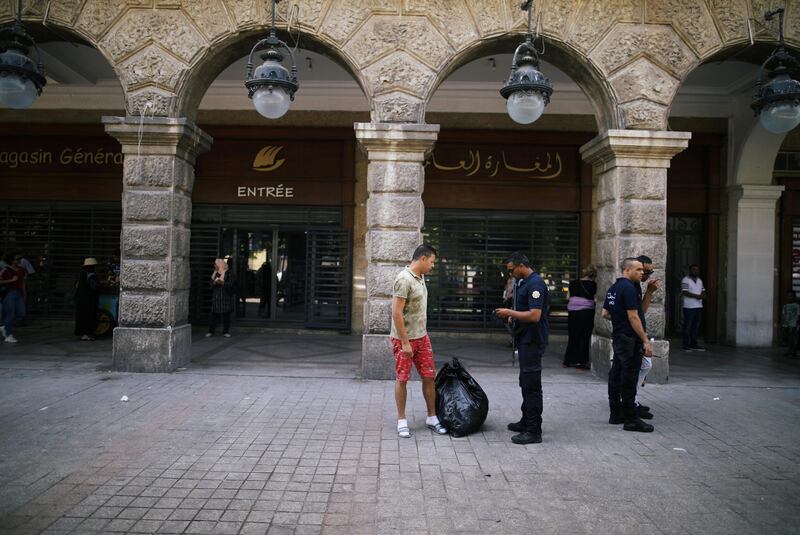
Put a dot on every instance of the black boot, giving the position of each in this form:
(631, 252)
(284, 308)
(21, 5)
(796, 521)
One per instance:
(527, 437)
(517, 427)
(638, 425)
(644, 412)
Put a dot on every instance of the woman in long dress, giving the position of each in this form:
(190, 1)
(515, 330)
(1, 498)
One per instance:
(580, 319)
(87, 295)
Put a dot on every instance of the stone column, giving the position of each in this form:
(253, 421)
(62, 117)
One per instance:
(153, 334)
(751, 260)
(395, 180)
(630, 170)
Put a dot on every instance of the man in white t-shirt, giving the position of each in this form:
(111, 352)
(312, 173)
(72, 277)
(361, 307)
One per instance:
(694, 293)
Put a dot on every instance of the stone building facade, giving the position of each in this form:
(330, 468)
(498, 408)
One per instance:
(629, 57)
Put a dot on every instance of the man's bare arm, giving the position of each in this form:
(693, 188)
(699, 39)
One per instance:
(398, 304)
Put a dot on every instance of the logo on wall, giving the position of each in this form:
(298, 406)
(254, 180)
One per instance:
(265, 160)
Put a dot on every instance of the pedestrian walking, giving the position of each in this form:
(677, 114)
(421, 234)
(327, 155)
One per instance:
(580, 319)
(790, 316)
(409, 338)
(694, 293)
(87, 296)
(623, 306)
(223, 288)
(12, 283)
(531, 306)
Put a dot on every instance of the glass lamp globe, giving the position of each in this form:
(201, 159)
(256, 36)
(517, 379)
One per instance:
(780, 117)
(271, 102)
(16, 92)
(525, 107)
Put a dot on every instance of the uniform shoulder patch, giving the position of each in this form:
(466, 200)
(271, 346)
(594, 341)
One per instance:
(536, 294)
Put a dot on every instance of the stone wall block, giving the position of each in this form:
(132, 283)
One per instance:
(382, 34)
(643, 217)
(345, 17)
(451, 18)
(661, 44)
(691, 19)
(656, 320)
(392, 246)
(377, 359)
(608, 185)
(607, 252)
(642, 183)
(378, 315)
(169, 28)
(596, 17)
(653, 246)
(151, 66)
(607, 216)
(209, 16)
(644, 80)
(397, 107)
(98, 15)
(731, 17)
(150, 171)
(488, 15)
(178, 313)
(602, 327)
(394, 211)
(144, 310)
(380, 280)
(600, 353)
(144, 275)
(181, 241)
(398, 71)
(152, 350)
(398, 177)
(181, 208)
(139, 206)
(145, 241)
(642, 114)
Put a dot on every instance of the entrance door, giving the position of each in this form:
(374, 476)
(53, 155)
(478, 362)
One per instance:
(685, 245)
(270, 273)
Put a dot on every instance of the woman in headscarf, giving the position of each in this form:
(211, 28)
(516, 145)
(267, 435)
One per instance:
(87, 295)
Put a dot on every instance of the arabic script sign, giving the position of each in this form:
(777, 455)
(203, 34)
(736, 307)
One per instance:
(495, 162)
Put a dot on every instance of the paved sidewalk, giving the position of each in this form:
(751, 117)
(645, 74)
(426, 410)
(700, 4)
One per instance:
(272, 433)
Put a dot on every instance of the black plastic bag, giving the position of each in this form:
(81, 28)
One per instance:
(461, 403)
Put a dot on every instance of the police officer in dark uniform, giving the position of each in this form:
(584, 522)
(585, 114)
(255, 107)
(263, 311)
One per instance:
(623, 306)
(530, 331)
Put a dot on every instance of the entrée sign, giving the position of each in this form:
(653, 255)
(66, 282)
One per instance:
(277, 192)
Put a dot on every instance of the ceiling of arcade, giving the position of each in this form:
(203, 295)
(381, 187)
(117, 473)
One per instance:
(629, 57)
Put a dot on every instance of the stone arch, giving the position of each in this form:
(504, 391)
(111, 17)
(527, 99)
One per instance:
(570, 60)
(197, 78)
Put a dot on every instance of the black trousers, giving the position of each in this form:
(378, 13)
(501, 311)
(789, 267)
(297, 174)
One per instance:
(580, 324)
(215, 318)
(623, 376)
(530, 381)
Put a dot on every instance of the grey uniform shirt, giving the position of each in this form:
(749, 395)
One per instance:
(415, 312)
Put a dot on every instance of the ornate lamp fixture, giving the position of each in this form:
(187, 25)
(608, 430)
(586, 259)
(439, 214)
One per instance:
(527, 90)
(777, 102)
(271, 86)
(21, 80)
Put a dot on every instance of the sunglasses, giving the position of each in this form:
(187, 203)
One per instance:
(647, 272)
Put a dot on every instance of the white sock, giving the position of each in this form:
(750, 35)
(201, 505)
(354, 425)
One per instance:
(432, 420)
(402, 423)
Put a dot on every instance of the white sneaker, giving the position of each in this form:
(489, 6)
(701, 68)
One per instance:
(209, 335)
(10, 339)
(227, 335)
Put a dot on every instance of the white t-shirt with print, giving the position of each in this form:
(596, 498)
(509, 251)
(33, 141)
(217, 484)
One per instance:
(692, 286)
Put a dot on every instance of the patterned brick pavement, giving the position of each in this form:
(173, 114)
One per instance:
(273, 434)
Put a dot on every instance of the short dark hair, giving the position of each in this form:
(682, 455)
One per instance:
(518, 259)
(426, 250)
(694, 265)
(628, 262)
(644, 259)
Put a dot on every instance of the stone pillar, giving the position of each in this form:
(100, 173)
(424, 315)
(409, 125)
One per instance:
(751, 260)
(630, 169)
(153, 334)
(395, 180)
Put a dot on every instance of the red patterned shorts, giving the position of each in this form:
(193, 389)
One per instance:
(421, 357)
